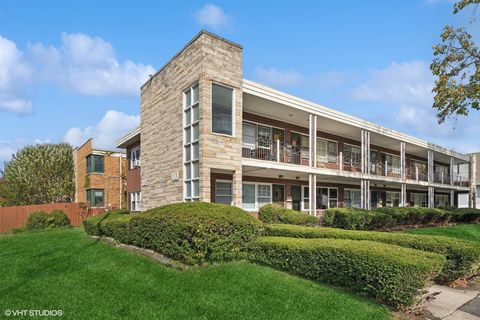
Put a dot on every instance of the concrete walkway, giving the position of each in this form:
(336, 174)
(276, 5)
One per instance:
(454, 304)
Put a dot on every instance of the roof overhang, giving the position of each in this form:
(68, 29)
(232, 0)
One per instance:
(129, 139)
(270, 94)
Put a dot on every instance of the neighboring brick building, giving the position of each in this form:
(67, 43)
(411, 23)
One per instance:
(131, 143)
(99, 177)
(207, 134)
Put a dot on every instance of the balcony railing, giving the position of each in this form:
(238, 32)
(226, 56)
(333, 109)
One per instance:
(383, 168)
(264, 149)
(461, 181)
(441, 177)
(416, 174)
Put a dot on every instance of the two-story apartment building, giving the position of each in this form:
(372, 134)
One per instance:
(131, 142)
(207, 134)
(99, 176)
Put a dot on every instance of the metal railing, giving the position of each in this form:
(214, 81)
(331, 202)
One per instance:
(329, 158)
(441, 177)
(383, 168)
(264, 149)
(461, 181)
(414, 173)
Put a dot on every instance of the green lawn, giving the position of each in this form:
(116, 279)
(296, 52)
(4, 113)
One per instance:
(87, 279)
(462, 231)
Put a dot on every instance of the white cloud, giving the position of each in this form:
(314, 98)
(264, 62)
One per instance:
(111, 127)
(292, 78)
(213, 16)
(14, 73)
(88, 65)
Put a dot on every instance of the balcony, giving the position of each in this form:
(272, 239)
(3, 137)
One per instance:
(383, 168)
(264, 149)
(461, 181)
(416, 174)
(441, 177)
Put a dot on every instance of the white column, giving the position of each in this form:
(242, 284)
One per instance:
(315, 142)
(452, 164)
(402, 160)
(430, 166)
(403, 195)
(310, 193)
(452, 198)
(314, 194)
(473, 182)
(431, 197)
(365, 151)
(365, 193)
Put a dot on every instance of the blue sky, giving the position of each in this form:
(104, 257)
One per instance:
(72, 70)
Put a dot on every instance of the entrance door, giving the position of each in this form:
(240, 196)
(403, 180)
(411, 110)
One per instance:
(373, 199)
(278, 197)
(248, 196)
(322, 198)
(296, 197)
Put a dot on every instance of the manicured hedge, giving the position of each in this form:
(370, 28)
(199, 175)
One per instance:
(390, 273)
(463, 257)
(465, 215)
(41, 220)
(272, 213)
(193, 233)
(389, 217)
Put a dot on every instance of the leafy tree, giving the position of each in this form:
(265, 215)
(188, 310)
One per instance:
(457, 68)
(43, 173)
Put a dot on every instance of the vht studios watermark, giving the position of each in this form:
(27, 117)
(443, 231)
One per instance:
(33, 313)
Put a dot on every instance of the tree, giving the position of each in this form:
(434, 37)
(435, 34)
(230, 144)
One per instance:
(38, 174)
(456, 66)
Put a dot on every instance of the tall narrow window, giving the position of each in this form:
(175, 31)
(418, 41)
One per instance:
(223, 192)
(222, 109)
(95, 163)
(191, 144)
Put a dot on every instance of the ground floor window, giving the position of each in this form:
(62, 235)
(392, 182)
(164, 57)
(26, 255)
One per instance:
(418, 199)
(135, 201)
(392, 199)
(256, 195)
(352, 198)
(326, 198)
(442, 200)
(223, 192)
(95, 197)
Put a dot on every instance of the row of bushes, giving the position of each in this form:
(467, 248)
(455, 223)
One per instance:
(41, 220)
(192, 233)
(272, 213)
(382, 218)
(390, 273)
(462, 256)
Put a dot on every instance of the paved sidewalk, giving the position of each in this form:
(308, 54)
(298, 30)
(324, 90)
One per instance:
(454, 304)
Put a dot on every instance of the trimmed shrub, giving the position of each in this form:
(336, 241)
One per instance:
(57, 219)
(193, 233)
(273, 213)
(37, 221)
(381, 218)
(465, 215)
(463, 257)
(390, 273)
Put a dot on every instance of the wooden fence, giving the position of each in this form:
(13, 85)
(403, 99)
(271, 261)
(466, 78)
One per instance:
(16, 216)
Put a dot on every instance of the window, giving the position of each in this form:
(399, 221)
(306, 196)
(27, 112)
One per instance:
(223, 192)
(418, 199)
(135, 201)
(422, 166)
(95, 163)
(327, 151)
(191, 144)
(222, 109)
(352, 155)
(135, 158)
(256, 195)
(352, 198)
(249, 134)
(95, 197)
(326, 198)
(442, 200)
(393, 162)
(392, 199)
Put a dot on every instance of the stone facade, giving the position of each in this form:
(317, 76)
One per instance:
(206, 59)
(112, 180)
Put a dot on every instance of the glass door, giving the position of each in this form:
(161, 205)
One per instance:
(249, 196)
(296, 197)
(278, 196)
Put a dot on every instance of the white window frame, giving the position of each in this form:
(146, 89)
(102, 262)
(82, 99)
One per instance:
(386, 198)
(136, 201)
(134, 161)
(326, 156)
(233, 109)
(302, 206)
(350, 190)
(395, 170)
(412, 194)
(445, 196)
(188, 145)
(231, 189)
(256, 194)
(360, 153)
